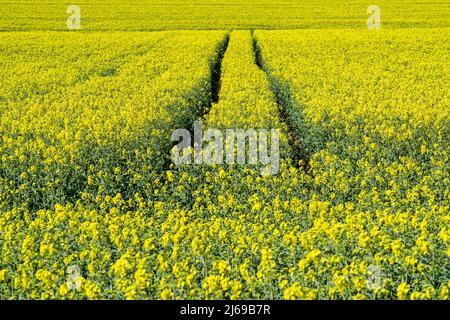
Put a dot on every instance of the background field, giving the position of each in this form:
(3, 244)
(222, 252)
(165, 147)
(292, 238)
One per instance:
(92, 207)
(221, 14)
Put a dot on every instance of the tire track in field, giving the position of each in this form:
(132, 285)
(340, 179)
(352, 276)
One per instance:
(215, 82)
(288, 109)
(216, 70)
(202, 108)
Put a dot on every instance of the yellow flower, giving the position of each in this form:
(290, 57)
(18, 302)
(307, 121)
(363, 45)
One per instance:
(63, 290)
(402, 291)
(293, 292)
(3, 275)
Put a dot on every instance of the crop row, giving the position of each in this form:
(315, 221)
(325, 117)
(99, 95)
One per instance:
(78, 136)
(376, 122)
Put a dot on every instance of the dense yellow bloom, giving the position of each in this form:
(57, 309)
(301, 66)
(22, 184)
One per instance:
(86, 191)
